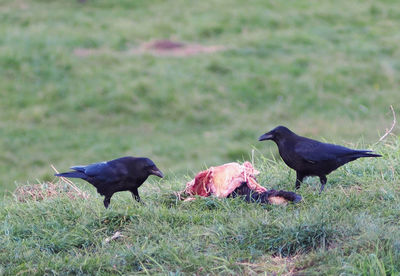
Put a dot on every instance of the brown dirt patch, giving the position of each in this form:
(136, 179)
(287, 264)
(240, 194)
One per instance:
(167, 48)
(164, 45)
(176, 49)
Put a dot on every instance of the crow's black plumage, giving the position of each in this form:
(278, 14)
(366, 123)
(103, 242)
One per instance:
(121, 174)
(309, 157)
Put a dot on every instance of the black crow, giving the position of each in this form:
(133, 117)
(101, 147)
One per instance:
(309, 157)
(121, 174)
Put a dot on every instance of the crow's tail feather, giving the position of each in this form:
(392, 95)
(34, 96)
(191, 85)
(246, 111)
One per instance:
(72, 175)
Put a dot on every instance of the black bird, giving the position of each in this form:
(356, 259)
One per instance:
(309, 157)
(121, 174)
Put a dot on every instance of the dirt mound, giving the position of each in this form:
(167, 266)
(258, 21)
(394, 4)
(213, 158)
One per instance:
(163, 45)
(156, 48)
(176, 49)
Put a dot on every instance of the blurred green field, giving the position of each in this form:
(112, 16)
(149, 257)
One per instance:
(327, 69)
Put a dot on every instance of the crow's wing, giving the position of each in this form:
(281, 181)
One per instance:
(314, 151)
(103, 172)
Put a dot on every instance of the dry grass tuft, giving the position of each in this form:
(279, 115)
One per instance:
(272, 266)
(41, 191)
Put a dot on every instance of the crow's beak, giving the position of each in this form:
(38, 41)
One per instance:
(157, 172)
(266, 136)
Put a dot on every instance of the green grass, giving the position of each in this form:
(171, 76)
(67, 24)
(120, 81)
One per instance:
(326, 69)
(352, 228)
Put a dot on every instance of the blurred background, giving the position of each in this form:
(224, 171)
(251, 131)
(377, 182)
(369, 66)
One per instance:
(188, 84)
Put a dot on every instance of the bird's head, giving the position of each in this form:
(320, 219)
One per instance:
(277, 134)
(151, 168)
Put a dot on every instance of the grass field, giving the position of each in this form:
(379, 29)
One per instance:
(75, 90)
(352, 228)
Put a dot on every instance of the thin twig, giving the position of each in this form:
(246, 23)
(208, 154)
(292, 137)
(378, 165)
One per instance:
(69, 182)
(391, 129)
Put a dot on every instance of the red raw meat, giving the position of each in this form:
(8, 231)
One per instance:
(221, 181)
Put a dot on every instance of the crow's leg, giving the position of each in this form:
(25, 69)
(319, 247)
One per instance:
(135, 194)
(299, 179)
(107, 200)
(323, 182)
